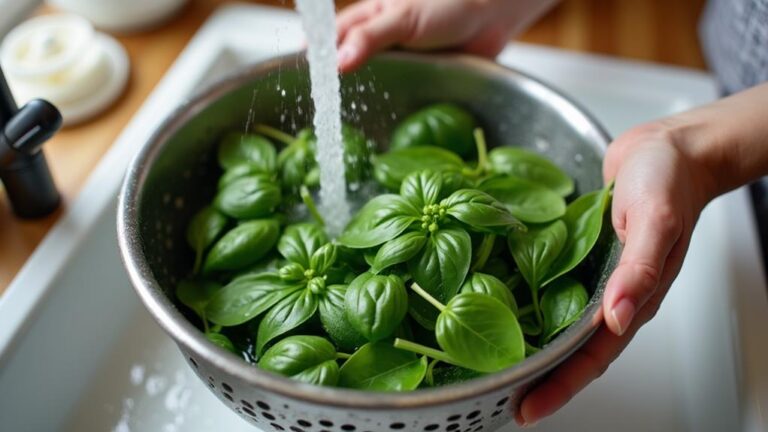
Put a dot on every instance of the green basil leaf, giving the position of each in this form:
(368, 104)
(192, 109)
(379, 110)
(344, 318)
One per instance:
(237, 172)
(525, 200)
(561, 305)
(440, 269)
(536, 250)
(221, 341)
(237, 149)
(422, 188)
(300, 241)
(296, 160)
(303, 358)
(398, 250)
(449, 374)
(442, 125)
(243, 245)
(206, 226)
(376, 305)
(443, 263)
(196, 294)
(292, 272)
(480, 333)
(334, 320)
(530, 166)
(489, 285)
(382, 367)
(323, 258)
(584, 220)
(530, 325)
(249, 197)
(480, 211)
(286, 315)
(391, 168)
(247, 297)
(381, 219)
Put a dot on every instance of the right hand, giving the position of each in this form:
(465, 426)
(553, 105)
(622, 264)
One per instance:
(480, 27)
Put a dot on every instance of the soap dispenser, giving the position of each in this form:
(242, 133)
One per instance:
(24, 172)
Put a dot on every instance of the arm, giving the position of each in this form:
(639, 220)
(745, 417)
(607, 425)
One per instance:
(665, 172)
(480, 27)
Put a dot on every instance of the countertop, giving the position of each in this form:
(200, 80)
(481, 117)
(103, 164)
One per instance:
(651, 30)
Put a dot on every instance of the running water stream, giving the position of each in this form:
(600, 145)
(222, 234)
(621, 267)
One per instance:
(319, 21)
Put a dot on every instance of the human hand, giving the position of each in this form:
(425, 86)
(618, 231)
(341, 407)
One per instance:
(659, 192)
(480, 27)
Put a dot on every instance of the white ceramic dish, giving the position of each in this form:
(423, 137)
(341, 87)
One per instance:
(78, 352)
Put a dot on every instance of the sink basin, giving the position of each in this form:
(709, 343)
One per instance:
(78, 352)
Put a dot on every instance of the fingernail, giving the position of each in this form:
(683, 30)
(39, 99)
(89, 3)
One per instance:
(527, 425)
(346, 53)
(622, 314)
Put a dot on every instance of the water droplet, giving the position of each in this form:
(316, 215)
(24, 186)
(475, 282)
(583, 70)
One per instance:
(353, 106)
(386, 95)
(282, 93)
(542, 144)
(364, 107)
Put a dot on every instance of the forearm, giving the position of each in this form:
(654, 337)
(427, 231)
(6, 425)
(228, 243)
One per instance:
(728, 138)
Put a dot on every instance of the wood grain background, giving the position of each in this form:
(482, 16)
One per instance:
(653, 30)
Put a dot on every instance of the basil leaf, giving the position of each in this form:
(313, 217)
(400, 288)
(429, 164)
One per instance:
(334, 319)
(442, 125)
(584, 220)
(292, 272)
(480, 333)
(382, 367)
(249, 197)
(375, 305)
(443, 263)
(530, 325)
(221, 341)
(449, 374)
(323, 258)
(237, 172)
(391, 168)
(296, 160)
(196, 294)
(382, 218)
(289, 313)
(300, 241)
(486, 284)
(530, 166)
(247, 297)
(561, 305)
(422, 188)
(237, 148)
(536, 250)
(310, 359)
(243, 245)
(480, 211)
(206, 226)
(525, 200)
(398, 250)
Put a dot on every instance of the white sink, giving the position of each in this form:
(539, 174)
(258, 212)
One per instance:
(78, 352)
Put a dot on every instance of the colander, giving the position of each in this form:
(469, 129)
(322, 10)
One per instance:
(175, 174)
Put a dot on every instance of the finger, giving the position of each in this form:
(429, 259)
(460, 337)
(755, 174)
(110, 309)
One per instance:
(651, 234)
(355, 14)
(388, 28)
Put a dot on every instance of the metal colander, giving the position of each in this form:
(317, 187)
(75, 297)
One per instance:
(175, 174)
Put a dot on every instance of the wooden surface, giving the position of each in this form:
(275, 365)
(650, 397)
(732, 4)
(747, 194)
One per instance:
(654, 30)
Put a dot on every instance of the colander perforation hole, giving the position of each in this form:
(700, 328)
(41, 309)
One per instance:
(502, 401)
(268, 416)
(263, 405)
(397, 425)
(326, 423)
(476, 422)
(304, 423)
(452, 426)
(431, 427)
(473, 414)
(194, 363)
(227, 388)
(496, 413)
(249, 411)
(296, 429)
(246, 404)
(348, 427)
(453, 417)
(229, 397)
(277, 426)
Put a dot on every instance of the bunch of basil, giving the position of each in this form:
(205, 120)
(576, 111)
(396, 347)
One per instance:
(463, 268)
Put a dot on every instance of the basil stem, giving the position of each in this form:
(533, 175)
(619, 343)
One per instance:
(310, 203)
(424, 350)
(274, 133)
(426, 296)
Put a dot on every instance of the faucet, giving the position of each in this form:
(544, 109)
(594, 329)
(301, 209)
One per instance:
(23, 169)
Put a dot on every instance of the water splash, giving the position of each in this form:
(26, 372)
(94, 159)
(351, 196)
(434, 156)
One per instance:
(318, 19)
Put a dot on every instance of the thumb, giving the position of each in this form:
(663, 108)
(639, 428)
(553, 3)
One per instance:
(651, 233)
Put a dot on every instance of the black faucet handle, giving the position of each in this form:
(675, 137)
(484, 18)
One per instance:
(31, 126)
